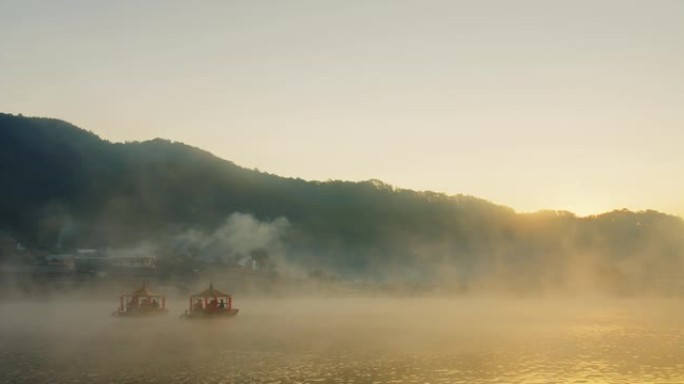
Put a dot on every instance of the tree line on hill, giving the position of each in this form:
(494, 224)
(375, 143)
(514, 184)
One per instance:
(65, 188)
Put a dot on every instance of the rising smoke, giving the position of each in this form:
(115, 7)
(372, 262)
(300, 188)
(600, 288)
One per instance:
(236, 240)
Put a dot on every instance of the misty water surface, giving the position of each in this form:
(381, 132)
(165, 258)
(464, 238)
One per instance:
(474, 340)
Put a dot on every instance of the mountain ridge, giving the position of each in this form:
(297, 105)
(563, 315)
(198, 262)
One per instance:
(65, 187)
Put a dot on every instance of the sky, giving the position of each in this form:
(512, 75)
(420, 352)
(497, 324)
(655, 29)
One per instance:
(570, 105)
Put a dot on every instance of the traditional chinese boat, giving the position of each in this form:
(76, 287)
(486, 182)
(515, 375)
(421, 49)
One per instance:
(141, 302)
(210, 304)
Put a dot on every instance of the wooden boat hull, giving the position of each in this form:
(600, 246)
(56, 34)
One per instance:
(141, 313)
(216, 315)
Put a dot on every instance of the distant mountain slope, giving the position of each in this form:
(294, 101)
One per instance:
(63, 186)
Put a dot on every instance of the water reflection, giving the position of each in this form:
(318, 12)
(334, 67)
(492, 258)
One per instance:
(350, 341)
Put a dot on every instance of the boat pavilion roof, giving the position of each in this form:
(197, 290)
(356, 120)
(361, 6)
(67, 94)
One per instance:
(210, 292)
(144, 291)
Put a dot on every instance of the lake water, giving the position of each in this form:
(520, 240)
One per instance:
(463, 340)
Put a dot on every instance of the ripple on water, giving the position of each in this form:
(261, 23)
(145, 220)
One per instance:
(624, 351)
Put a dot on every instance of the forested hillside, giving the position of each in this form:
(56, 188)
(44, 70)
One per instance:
(65, 188)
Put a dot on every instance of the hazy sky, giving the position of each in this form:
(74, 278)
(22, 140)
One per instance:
(574, 105)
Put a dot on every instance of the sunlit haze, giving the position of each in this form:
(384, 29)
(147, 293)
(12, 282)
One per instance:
(572, 105)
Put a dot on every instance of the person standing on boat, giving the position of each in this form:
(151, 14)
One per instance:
(213, 305)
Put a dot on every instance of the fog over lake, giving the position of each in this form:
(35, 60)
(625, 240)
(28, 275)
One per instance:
(349, 340)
